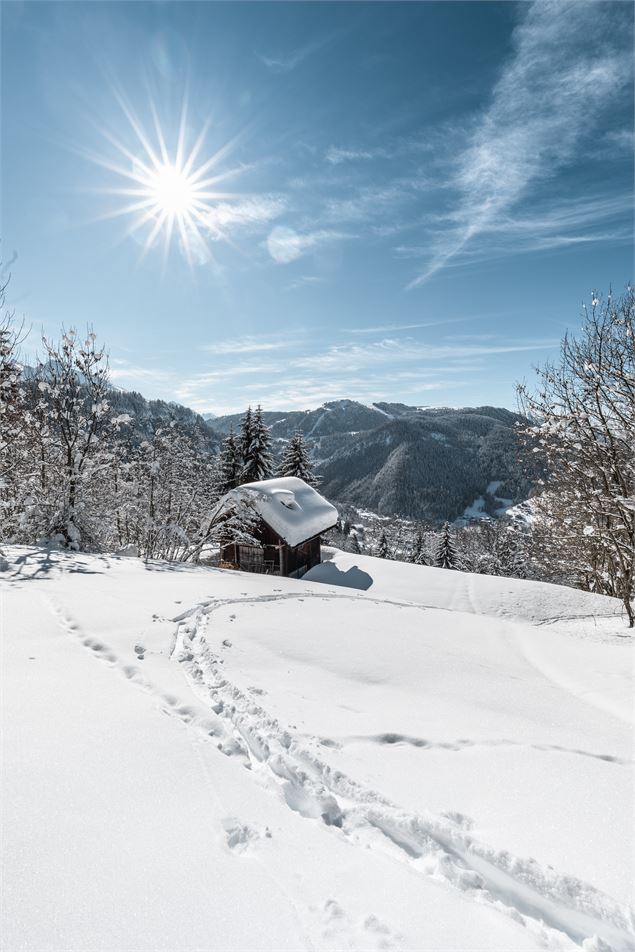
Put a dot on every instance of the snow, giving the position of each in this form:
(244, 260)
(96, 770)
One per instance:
(206, 760)
(293, 509)
(477, 509)
(373, 406)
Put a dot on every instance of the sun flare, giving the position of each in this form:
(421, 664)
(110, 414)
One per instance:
(168, 194)
(172, 191)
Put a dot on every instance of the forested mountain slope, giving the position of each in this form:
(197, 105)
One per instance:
(421, 463)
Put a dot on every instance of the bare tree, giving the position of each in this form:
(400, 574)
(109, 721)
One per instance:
(232, 519)
(72, 381)
(583, 426)
(12, 412)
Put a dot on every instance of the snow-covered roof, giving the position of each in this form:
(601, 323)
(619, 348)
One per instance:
(292, 508)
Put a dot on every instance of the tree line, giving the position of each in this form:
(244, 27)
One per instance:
(488, 547)
(74, 472)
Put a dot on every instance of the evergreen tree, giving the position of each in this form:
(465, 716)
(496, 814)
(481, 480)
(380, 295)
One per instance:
(245, 438)
(417, 556)
(382, 550)
(296, 461)
(354, 545)
(257, 460)
(230, 463)
(446, 556)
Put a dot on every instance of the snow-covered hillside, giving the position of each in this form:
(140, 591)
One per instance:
(380, 756)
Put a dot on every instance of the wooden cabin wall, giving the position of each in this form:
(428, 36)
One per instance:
(282, 559)
(305, 555)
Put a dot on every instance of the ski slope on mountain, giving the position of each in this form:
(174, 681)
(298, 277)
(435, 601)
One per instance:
(378, 756)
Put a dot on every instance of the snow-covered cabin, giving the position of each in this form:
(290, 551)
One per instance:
(291, 516)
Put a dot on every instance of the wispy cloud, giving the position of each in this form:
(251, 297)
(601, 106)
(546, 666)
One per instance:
(195, 391)
(253, 210)
(243, 345)
(367, 371)
(391, 328)
(287, 62)
(305, 280)
(356, 357)
(547, 227)
(336, 155)
(122, 370)
(286, 245)
(368, 202)
(566, 68)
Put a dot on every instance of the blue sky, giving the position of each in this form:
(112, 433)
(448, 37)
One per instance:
(407, 201)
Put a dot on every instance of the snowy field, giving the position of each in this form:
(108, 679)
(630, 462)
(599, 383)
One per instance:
(381, 757)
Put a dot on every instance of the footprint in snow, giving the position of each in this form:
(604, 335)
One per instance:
(345, 933)
(240, 837)
(461, 820)
(328, 742)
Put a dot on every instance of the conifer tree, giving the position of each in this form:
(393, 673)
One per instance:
(417, 556)
(296, 460)
(382, 550)
(230, 463)
(246, 436)
(257, 460)
(446, 555)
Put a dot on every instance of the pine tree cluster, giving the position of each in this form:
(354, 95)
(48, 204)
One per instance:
(246, 456)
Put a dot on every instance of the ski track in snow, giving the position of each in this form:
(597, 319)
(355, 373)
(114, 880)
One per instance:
(168, 703)
(463, 743)
(436, 846)
(557, 909)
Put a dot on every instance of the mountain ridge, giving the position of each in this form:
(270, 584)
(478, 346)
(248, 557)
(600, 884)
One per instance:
(425, 463)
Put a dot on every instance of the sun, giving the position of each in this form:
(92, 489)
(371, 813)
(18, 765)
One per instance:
(169, 192)
(172, 191)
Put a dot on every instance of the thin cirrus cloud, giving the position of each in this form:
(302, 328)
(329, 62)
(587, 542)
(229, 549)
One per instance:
(336, 156)
(286, 245)
(394, 352)
(295, 392)
(287, 62)
(122, 370)
(251, 212)
(557, 226)
(351, 370)
(566, 69)
(243, 345)
(391, 328)
(369, 202)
